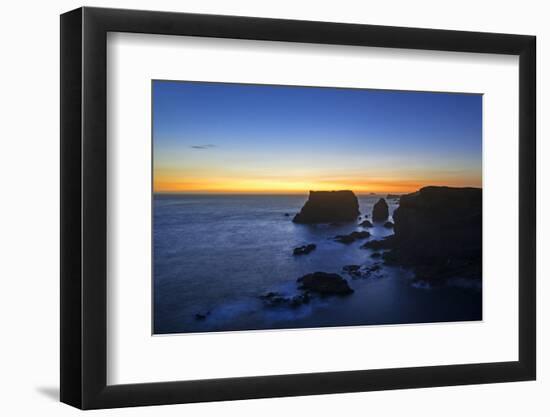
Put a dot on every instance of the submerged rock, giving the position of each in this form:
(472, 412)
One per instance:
(387, 243)
(358, 271)
(275, 299)
(202, 316)
(352, 270)
(325, 283)
(365, 223)
(380, 211)
(352, 237)
(304, 250)
(300, 299)
(329, 207)
(270, 294)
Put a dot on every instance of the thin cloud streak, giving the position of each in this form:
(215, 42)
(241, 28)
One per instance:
(207, 146)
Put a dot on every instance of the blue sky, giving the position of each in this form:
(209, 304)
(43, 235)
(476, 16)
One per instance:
(218, 137)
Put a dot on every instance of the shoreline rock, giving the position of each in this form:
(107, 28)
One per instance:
(304, 250)
(325, 283)
(386, 243)
(352, 237)
(275, 299)
(365, 223)
(353, 270)
(358, 271)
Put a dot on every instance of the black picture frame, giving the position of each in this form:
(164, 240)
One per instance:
(84, 207)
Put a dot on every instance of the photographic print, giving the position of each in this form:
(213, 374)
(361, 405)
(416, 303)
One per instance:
(286, 207)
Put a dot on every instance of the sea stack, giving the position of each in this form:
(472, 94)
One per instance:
(380, 211)
(329, 207)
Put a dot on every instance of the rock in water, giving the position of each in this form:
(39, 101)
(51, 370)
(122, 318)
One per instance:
(329, 207)
(365, 223)
(352, 237)
(202, 316)
(380, 211)
(325, 283)
(275, 299)
(304, 250)
(352, 270)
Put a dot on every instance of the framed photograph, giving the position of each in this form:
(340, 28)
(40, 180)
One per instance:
(257, 208)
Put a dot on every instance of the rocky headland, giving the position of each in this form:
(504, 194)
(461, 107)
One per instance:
(437, 233)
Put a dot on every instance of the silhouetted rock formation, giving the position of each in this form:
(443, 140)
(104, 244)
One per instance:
(380, 211)
(304, 250)
(365, 223)
(325, 283)
(438, 232)
(329, 207)
(392, 196)
(352, 237)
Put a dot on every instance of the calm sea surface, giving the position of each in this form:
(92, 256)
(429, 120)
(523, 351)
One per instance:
(215, 255)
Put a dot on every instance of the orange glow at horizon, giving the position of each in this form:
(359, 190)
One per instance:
(169, 184)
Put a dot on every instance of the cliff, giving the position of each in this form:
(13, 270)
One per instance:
(438, 231)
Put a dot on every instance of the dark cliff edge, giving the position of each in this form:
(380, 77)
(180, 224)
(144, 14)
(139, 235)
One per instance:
(329, 206)
(438, 233)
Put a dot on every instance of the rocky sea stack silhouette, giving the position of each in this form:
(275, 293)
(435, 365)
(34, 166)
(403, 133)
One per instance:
(380, 211)
(329, 207)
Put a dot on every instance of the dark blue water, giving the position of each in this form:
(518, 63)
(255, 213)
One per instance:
(215, 255)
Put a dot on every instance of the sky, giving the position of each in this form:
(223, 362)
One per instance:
(241, 138)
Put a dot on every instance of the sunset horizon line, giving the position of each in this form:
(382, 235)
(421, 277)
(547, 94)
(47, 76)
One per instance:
(305, 192)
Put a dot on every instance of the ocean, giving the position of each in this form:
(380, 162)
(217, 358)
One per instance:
(215, 255)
